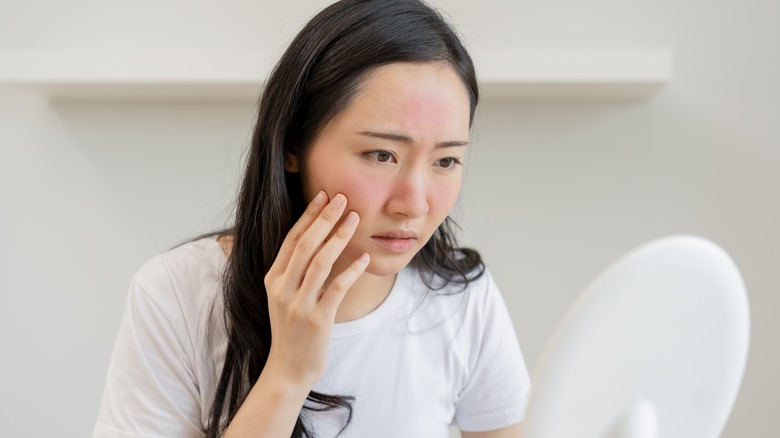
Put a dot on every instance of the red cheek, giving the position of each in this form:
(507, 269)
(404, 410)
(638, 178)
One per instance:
(361, 191)
(444, 194)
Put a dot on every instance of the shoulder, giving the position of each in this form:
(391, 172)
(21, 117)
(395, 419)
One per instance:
(495, 385)
(479, 286)
(485, 302)
(467, 307)
(185, 278)
(183, 264)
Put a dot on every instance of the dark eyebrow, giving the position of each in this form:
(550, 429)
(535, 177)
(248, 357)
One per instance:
(408, 140)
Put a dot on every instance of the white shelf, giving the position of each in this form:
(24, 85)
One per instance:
(197, 75)
(566, 74)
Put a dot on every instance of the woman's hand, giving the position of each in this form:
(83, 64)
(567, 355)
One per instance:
(303, 293)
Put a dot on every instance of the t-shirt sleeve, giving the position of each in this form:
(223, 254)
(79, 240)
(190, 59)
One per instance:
(497, 391)
(151, 390)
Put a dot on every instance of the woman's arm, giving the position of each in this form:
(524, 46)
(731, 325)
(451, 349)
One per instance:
(270, 409)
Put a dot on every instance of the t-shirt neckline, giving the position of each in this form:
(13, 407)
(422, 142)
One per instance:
(385, 311)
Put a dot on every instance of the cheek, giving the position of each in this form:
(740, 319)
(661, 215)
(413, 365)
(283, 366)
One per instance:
(363, 192)
(443, 197)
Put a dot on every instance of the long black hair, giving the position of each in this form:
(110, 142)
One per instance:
(315, 79)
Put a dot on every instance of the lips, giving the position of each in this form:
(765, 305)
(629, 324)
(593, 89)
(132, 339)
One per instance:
(397, 241)
(397, 234)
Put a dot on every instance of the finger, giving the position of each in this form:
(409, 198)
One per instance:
(313, 238)
(337, 289)
(301, 225)
(322, 262)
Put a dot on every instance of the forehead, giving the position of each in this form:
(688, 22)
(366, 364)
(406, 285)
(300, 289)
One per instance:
(426, 100)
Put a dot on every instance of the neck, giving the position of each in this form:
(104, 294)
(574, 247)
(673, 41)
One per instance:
(365, 295)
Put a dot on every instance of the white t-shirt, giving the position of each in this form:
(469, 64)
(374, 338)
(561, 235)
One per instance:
(419, 362)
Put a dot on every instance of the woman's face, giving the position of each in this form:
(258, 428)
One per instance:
(396, 153)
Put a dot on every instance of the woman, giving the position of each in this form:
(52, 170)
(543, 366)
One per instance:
(345, 306)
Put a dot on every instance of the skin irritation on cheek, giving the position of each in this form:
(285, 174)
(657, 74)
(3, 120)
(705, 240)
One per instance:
(355, 187)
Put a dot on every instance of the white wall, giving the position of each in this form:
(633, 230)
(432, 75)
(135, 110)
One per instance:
(555, 191)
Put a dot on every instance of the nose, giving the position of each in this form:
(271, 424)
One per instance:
(409, 195)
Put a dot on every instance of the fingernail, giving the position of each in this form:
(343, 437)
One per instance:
(320, 198)
(351, 217)
(338, 200)
(364, 258)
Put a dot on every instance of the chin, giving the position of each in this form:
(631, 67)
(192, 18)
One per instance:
(382, 266)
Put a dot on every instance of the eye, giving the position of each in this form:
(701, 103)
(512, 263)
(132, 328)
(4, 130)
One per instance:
(448, 163)
(381, 156)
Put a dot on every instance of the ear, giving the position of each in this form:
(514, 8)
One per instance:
(291, 163)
